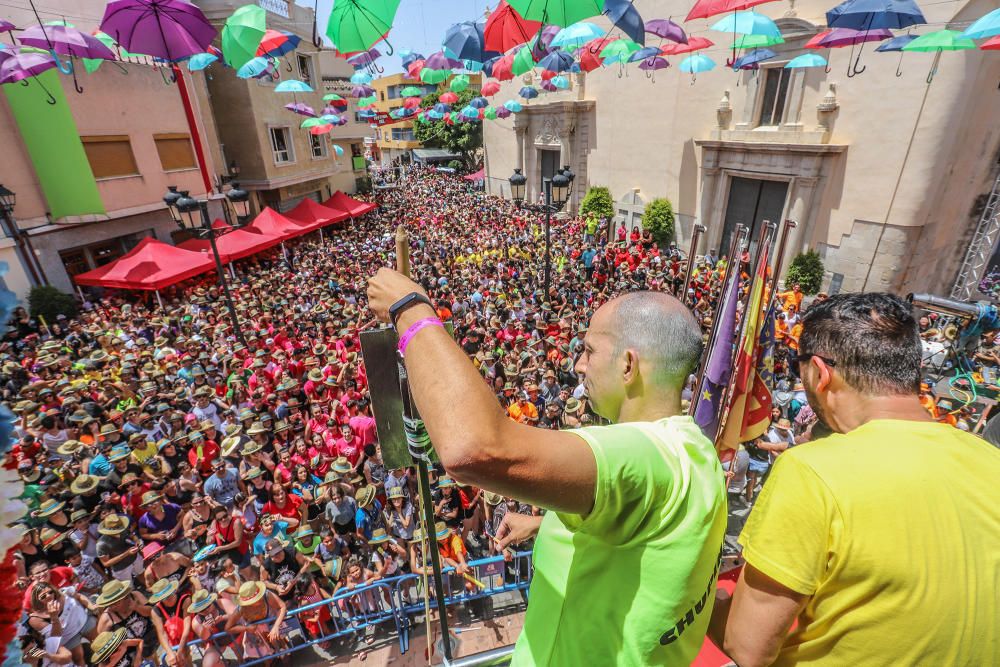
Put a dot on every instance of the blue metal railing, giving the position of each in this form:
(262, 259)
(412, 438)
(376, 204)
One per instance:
(393, 599)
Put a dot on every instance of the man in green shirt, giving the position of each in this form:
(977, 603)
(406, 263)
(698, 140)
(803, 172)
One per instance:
(626, 557)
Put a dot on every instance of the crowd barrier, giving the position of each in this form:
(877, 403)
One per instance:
(395, 600)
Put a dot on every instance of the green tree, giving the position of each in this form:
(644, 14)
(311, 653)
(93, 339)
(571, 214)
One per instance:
(462, 138)
(49, 302)
(807, 270)
(598, 201)
(658, 218)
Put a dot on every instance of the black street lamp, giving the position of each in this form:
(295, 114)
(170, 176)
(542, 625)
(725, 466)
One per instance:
(240, 199)
(22, 242)
(556, 191)
(192, 216)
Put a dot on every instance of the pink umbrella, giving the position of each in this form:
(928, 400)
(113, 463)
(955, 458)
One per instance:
(839, 37)
(490, 88)
(301, 109)
(22, 64)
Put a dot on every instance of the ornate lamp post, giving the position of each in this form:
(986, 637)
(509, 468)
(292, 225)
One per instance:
(557, 190)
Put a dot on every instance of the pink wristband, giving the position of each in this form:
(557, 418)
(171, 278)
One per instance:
(408, 335)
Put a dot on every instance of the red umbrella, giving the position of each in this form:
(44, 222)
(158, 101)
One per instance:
(448, 98)
(705, 8)
(992, 44)
(694, 44)
(502, 69)
(490, 88)
(412, 103)
(814, 43)
(505, 29)
(590, 53)
(413, 69)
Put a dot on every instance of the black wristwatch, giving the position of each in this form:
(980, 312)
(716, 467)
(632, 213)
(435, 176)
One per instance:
(413, 298)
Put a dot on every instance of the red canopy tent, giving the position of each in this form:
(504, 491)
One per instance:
(352, 206)
(310, 212)
(478, 176)
(234, 245)
(272, 223)
(151, 265)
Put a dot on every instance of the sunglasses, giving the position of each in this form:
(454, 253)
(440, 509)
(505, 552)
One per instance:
(804, 358)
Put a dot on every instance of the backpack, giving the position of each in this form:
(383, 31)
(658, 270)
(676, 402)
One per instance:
(173, 624)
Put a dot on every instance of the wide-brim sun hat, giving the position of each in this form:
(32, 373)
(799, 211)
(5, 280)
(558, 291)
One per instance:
(365, 496)
(112, 592)
(48, 508)
(250, 593)
(342, 466)
(161, 590)
(105, 644)
(84, 484)
(113, 524)
(492, 499)
(201, 601)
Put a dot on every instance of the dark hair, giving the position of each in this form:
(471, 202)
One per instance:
(871, 336)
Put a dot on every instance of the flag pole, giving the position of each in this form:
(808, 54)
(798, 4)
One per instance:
(696, 233)
(779, 256)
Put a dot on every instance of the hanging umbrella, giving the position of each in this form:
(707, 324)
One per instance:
(329, 116)
(442, 108)
(338, 150)
(254, 67)
(992, 44)
(938, 41)
(479, 103)
(752, 59)
(693, 44)
(548, 86)
(361, 78)
(22, 64)
(490, 88)
(839, 37)
(168, 29)
(434, 76)
(357, 25)
(652, 64)
(523, 61)
(473, 66)
(242, 34)
(470, 112)
(747, 23)
(65, 40)
(362, 91)
(576, 35)
(366, 59)
(513, 105)
(412, 91)
(7, 26)
(806, 60)
(490, 113)
(744, 42)
(320, 129)
(312, 122)
(561, 82)
(459, 83)
(696, 64)
(276, 43)
(987, 26)
(557, 61)
(589, 53)
(814, 41)
(562, 13)
(440, 61)
(643, 53)
(408, 56)
(527, 93)
(541, 44)
(414, 68)
(895, 44)
(301, 108)
(625, 17)
(871, 14)
(200, 61)
(666, 29)
(293, 86)
(411, 103)
(448, 97)
(506, 28)
(504, 112)
(618, 51)
(367, 101)
(464, 41)
(705, 8)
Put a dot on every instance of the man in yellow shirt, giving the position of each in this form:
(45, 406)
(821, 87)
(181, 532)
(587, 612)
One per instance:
(881, 540)
(792, 297)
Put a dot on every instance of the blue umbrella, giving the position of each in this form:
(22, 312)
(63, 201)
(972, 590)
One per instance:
(293, 86)
(697, 63)
(748, 23)
(560, 82)
(512, 105)
(488, 65)
(472, 66)
(527, 93)
(806, 60)
(624, 16)
(750, 60)
(411, 57)
(470, 111)
(253, 67)
(200, 61)
(464, 41)
(556, 61)
(360, 78)
(895, 44)
(874, 14)
(442, 108)
(643, 53)
(479, 103)
(576, 35)
(987, 26)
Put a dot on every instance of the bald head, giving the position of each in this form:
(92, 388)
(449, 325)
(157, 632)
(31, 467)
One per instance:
(662, 332)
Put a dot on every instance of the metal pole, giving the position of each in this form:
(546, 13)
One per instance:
(779, 256)
(696, 233)
(423, 478)
(207, 225)
(31, 254)
(15, 233)
(548, 234)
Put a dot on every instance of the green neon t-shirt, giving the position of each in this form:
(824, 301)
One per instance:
(633, 582)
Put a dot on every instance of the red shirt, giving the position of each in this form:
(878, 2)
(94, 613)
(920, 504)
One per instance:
(289, 511)
(203, 464)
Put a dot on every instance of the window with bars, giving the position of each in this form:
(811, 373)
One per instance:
(317, 143)
(110, 155)
(305, 68)
(774, 96)
(281, 145)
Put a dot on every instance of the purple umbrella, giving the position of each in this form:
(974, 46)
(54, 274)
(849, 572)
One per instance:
(540, 45)
(504, 112)
(65, 40)
(366, 59)
(168, 29)
(651, 64)
(362, 91)
(301, 108)
(548, 86)
(6, 26)
(839, 37)
(667, 29)
(440, 61)
(22, 64)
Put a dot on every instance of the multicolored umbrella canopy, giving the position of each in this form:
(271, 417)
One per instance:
(693, 44)
(242, 34)
(872, 14)
(277, 43)
(747, 23)
(576, 35)
(814, 41)
(357, 25)
(562, 13)
(666, 29)
(941, 40)
(987, 26)
(506, 28)
(706, 8)
(625, 17)
(806, 60)
(168, 29)
(22, 64)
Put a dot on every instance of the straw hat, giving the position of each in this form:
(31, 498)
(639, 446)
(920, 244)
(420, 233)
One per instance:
(112, 592)
(572, 405)
(492, 499)
(440, 532)
(161, 590)
(118, 453)
(396, 492)
(84, 484)
(256, 427)
(229, 445)
(342, 466)
(251, 447)
(333, 568)
(105, 644)
(330, 478)
(113, 524)
(79, 514)
(446, 482)
(378, 536)
(250, 593)
(50, 537)
(200, 601)
(783, 425)
(365, 496)
(253, 473)
(49, 507)
(70, 447)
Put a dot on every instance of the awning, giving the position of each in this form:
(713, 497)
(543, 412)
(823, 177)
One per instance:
(313, 214)
(478, 176)
(151, 265)
(272, 223)
(351, 206)
(434, 154)
(234, 245)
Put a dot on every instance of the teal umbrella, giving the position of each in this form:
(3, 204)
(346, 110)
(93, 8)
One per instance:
(748, 23)
(241, 35)
(357, 25)
(938, 41)
(576, 35)
(806, 60)
(695, 64)
(987, 26)
(293, 86)
(562, 13)
(619, 50)
(434, 76)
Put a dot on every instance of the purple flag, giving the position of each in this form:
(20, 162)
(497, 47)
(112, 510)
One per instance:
(719, 365)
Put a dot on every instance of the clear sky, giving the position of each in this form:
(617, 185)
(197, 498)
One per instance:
(419, 26)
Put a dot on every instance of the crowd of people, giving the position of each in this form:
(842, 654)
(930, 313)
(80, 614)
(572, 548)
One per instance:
(183, 483)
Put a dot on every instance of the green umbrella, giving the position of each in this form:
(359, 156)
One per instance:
(459, 83)
(366, 101)
(312, 122)
(434, 76)
(356, 25)
(242, 34)
(332, 97)
(757, 41)
(618, 51)
(411, 91)
(523, 62)
(490, 113)
(91, 64)
(562, 13)
(940, 40)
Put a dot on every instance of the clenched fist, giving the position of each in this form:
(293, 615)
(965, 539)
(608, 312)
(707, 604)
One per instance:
(386, 288)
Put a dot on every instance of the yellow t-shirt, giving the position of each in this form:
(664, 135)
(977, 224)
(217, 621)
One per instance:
(143, 454)
(893, 530)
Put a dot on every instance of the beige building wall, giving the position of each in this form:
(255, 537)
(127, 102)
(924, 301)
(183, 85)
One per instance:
(870, 160)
